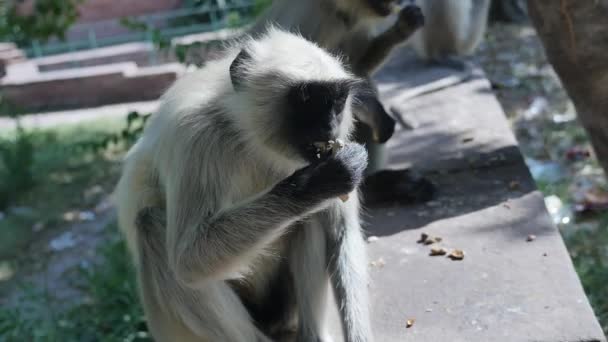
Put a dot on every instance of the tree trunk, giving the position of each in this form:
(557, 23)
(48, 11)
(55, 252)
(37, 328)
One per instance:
(575, 36)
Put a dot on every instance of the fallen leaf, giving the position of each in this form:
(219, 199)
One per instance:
(438, 251)
(423, 238)
(514, 185)
(409, 323)
(456, 254)
(531, 238)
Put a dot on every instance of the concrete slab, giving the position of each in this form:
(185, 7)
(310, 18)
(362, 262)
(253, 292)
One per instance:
(506, 288)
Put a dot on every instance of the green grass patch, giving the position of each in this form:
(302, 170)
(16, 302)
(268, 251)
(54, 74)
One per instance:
(587, 243)
(110, 311)
(61, 169)
(588, 248)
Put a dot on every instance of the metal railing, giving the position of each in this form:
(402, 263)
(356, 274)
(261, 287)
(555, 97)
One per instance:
(212, 16)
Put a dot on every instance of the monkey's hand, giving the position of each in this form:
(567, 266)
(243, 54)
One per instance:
(336, 175)
(410, 19)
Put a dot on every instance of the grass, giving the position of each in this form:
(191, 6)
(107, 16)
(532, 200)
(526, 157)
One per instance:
(588, 247)
(65, 167)
(64, 171)
(111, 311)
(587, 243)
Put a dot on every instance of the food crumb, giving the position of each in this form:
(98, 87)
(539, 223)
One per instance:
(514, 185)
(372, 239)
(409, 323)
(531, 238)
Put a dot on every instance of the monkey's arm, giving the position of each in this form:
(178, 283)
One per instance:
(410, 19)
(223, 244)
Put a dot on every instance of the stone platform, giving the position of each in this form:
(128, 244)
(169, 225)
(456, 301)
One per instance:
(506, 288)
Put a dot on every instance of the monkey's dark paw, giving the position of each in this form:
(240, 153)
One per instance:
(411, 17)
(331, 177)
(396, 186)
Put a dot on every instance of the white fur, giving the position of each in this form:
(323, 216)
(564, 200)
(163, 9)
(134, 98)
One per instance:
(211, 152)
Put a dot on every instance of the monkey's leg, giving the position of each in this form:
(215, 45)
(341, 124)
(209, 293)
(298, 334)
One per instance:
(410, 19)
(178, 313)
(308, 263)
(348, 270)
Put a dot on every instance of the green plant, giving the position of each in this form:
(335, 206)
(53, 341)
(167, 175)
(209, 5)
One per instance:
(16, 163)
(135, 123)
(49, 18)
(589, 251)
(111, 311)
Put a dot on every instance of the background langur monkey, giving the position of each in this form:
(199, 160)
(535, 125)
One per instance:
(453, 29)
(348, 28)
(232, 218)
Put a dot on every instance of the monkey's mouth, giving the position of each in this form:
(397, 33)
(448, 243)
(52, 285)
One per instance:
(323, 149)
(385, 7)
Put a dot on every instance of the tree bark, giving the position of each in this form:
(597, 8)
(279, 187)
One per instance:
(575, 37)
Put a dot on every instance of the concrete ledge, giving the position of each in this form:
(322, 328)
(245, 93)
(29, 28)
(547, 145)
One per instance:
(506, 288)
(89, 87)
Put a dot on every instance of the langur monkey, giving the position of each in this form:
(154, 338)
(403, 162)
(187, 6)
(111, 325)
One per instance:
(453, 29)
(231, 212)
(347, 28)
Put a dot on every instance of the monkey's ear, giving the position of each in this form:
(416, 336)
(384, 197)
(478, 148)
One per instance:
(237, 66)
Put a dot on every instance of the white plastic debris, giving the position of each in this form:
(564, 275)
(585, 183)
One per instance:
(63, 241)
(536, 108)
(560, 213)
(86, 216)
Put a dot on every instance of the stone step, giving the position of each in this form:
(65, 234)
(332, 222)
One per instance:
(506, 288)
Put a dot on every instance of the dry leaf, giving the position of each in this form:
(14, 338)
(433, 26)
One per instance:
(409, 323)
(438, 251)
(531, 238)
(434, 239)
(514, 185)
(423, 238)
(456, 254)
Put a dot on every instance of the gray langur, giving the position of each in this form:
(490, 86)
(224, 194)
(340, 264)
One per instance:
(350, 28)
(231, 213)
(452, 30)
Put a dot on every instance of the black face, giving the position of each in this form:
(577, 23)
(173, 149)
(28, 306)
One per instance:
(315, 111)
(382, 7)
